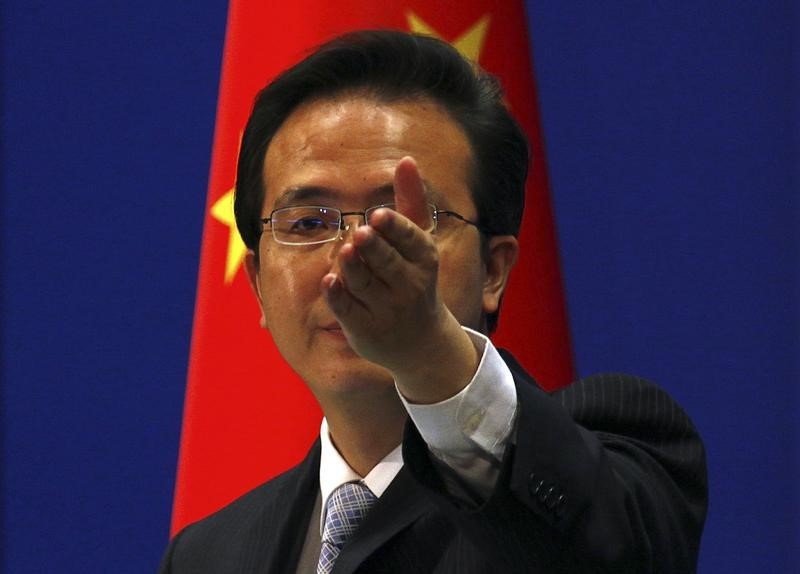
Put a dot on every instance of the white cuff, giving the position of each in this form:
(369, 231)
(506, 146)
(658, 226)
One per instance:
(483, 411)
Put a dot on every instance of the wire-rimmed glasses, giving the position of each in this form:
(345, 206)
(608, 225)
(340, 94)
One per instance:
(314, 224)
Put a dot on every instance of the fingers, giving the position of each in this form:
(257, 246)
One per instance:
(411, 242)
(358, 271)
(343, 304)
(387, 262)
(371, 269)
(409, 192)
(356, 293)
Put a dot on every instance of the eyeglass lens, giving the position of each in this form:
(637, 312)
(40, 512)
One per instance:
(316, 224)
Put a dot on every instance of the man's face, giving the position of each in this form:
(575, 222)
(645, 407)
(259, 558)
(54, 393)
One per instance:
(342, 153)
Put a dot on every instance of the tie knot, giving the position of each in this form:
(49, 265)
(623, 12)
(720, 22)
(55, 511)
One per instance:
(346, 508)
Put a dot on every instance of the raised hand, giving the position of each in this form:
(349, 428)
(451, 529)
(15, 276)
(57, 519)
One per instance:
(386, 301)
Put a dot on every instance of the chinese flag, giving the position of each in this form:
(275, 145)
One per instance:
(247, 415)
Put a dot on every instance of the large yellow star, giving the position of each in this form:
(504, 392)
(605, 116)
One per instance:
(222, 211)
(469, 44)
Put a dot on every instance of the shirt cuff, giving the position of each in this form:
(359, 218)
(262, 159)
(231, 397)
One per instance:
(484, 410)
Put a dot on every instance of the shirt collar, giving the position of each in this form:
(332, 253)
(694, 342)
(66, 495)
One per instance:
(334, 471)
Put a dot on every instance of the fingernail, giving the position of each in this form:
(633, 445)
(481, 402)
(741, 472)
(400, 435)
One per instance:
(363, 235)
(330, 281)
(383, 217)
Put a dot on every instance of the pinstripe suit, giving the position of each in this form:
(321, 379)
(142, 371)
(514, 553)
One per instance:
(623, 490)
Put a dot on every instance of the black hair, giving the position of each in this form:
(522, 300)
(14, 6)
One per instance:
(391, 66)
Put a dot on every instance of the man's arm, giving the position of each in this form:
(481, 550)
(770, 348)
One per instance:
(606, 475)
(609, 487)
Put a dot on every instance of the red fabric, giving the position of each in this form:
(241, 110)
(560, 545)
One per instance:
(247, 416)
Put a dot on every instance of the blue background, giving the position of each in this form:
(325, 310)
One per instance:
(672, 137)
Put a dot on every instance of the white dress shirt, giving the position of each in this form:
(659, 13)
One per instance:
(467, 433)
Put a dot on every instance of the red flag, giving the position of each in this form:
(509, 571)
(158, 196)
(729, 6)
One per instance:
(247, 416)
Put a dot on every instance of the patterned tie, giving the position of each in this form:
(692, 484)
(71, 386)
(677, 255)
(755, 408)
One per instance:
(346, 508)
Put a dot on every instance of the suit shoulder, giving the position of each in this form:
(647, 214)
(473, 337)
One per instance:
(625, 410)
(239, 508)
(622, 399)
(242, 511)
(253, 516)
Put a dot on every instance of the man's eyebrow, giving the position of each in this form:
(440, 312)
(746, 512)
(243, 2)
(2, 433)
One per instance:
(308, 194)
(305, 194)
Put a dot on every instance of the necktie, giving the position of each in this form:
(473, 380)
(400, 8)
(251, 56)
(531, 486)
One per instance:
(346, 508)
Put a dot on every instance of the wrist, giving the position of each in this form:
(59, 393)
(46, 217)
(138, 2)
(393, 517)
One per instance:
(445, 365)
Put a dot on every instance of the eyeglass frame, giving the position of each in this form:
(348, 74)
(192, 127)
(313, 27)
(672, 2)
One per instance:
(435, 211)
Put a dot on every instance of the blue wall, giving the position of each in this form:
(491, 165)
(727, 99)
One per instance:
(672, 136)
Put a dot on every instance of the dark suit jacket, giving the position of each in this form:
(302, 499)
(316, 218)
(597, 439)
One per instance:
(606, 475)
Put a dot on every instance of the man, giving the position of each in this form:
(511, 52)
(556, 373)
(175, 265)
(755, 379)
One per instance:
(379, 190)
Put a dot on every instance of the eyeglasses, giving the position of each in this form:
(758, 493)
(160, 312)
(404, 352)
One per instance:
(313, 224)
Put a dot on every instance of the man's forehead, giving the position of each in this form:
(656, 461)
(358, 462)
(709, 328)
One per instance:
(323, 117)
(313, 160)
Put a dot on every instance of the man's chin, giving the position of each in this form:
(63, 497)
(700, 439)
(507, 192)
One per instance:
(351, 375)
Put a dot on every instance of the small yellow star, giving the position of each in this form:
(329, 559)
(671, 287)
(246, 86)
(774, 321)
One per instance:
(469, 44)
(222, 211)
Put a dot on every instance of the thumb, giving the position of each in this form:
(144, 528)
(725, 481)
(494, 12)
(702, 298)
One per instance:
(409, 192)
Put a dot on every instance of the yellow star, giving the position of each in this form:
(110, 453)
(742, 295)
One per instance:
(469, 44)
(222, 211)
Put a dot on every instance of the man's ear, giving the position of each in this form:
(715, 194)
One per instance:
(251, 267)
(502, 252)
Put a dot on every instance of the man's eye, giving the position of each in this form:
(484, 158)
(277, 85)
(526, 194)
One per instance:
(307, 225)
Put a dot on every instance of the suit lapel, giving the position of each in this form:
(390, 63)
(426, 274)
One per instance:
(295, 503)
(399, 506)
